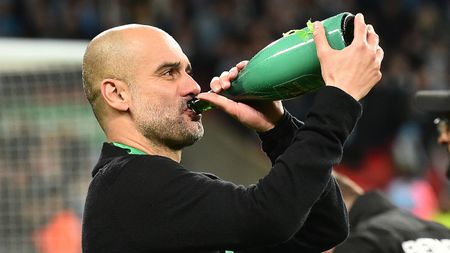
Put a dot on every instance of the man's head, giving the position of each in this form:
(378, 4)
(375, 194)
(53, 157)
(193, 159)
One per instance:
(438, 102)
(138, 82)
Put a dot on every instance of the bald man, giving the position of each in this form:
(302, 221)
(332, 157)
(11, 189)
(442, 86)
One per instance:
(437, 102)
(377, 226)
(141, 199)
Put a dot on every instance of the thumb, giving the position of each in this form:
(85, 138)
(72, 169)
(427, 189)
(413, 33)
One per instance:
(320, 39)
(219, 101)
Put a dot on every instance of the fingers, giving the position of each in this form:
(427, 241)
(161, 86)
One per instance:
(233, 73)
(223, 82)
(241, 65)
(379, 58)
(379, 55)
(359, 64)
(215, 85)
(360, 32)
(219, 101)
(366, 34)
(260, 116)
(320, 40)
(372, 37)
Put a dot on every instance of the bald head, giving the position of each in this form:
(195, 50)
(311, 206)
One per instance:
(112, 54)
(115, 54)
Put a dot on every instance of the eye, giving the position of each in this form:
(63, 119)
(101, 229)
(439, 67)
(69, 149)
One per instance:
(169, 73)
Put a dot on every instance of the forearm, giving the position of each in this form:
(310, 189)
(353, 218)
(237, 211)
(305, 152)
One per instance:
(329, 209)
(278, 139)
(301, 175)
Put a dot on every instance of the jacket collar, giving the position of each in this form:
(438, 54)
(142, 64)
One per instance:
(108, 153)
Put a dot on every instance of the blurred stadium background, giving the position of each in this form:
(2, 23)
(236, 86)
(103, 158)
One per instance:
(49, 139)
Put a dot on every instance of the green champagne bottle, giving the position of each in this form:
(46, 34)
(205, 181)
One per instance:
(287, 67)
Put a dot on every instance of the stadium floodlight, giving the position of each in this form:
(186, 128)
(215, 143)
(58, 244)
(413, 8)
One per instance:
(20, 54)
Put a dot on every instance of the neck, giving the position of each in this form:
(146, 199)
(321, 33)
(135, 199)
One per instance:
(128, 135)
(349, 201)
(149, 148)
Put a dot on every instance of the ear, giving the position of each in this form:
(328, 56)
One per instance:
(115, 93)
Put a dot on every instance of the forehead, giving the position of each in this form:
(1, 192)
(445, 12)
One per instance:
(154, 48)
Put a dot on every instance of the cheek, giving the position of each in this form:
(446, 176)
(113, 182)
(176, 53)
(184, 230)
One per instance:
(444, 138)
(157, 103)
(166, 100)
(149, 101)
(159, 109)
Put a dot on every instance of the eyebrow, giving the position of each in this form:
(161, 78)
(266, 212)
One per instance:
(172, 65)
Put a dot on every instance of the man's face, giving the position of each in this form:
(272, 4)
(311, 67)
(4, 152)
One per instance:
(444, 136)
(444, 133)
(161, 87)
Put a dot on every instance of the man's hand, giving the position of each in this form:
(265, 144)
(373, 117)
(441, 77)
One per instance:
(258, 115)
(356, 68)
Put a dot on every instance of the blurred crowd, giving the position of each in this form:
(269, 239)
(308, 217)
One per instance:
(393, 147)
(215, 34)
(44, 159)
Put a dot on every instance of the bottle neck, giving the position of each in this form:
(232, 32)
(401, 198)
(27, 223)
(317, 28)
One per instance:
(199, 106)
(130, 150)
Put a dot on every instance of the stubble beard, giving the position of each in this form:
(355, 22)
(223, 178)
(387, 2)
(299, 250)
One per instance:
(169, 128)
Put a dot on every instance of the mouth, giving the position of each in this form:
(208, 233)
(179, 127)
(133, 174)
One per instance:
(194, 116)
(191, 114)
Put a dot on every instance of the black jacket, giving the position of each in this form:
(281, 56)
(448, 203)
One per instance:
(377, 226)
(148, 203)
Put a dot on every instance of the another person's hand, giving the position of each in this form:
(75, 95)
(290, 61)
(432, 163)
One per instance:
(356, 68)
(258, 115)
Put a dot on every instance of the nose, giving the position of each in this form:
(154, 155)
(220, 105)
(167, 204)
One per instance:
(190, 86)
(444, 137)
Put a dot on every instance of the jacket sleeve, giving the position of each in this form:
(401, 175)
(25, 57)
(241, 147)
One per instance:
(178, 208)
(275, 141)
(329, 209)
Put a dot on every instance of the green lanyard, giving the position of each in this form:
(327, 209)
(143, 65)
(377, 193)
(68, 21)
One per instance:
(130, 150)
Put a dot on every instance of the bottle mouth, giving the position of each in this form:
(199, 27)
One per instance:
(348, 27)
